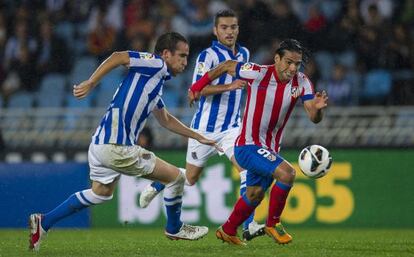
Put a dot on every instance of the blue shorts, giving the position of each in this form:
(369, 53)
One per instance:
(259, 162)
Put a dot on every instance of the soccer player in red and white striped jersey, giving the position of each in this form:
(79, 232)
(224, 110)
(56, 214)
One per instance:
(272, 94)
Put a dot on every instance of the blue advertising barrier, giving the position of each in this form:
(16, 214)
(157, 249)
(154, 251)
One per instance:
(37, 188)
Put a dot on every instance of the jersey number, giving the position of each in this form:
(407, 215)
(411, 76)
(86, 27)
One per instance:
(267, 154)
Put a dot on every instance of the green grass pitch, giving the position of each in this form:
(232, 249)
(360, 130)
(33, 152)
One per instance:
(152, 242)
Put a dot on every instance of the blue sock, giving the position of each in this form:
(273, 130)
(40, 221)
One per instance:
(173, 218)
(74, 203)
(158, 186)
(68, 207)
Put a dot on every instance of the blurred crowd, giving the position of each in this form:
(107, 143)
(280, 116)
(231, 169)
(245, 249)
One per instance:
(362, 51)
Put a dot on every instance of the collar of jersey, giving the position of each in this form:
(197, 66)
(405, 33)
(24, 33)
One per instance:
(221, 46)
(168, 75)
(279, 82)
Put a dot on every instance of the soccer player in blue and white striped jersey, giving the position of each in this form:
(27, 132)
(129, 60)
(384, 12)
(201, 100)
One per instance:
(218, 113)
(114, 150)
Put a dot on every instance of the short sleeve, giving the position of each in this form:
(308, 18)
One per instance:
(306, 86)
(203, 64)
(160, 104)
(145, 63)
(247, 70)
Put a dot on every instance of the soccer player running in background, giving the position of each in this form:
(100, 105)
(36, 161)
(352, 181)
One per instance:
(114, 150)
(272, 93)
(218, 113)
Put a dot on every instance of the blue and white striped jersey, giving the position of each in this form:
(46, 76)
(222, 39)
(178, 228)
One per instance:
(218, 112)
(139, 93)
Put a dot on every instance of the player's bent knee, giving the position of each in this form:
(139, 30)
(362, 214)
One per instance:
(285, 174)
(291, 173)
(192, 174)
(255, 194)
(191, 181)
(288, 177)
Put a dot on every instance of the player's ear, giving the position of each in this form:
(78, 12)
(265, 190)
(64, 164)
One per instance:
(166, 53)
(215, 31)
(277, 58)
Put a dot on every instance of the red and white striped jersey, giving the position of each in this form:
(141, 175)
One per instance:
(269, 104)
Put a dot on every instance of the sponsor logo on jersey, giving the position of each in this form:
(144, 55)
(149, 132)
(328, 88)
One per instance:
(201, 68)
(146, 56)
(271, 157)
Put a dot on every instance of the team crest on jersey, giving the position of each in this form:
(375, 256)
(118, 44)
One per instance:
(294, 92)
(201, 68)
(247, 66)
(146, 56)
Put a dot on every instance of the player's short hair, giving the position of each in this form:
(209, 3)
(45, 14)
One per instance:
(292, 45)
(224, 14)
(168, 41)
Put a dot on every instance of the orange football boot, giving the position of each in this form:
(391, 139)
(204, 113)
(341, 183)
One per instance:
(233, 240)
(278, 233)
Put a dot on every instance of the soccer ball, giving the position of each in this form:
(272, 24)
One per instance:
(315, 161)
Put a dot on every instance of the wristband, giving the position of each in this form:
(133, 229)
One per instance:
(201, 83)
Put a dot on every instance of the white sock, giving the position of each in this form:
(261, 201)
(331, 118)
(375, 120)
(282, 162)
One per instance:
(175, 190)
(88, 197)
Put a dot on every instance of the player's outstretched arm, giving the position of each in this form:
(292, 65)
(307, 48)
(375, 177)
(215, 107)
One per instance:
(315, 106)
(218, 89)
(171, 123)
(117, 58)
(228, 67)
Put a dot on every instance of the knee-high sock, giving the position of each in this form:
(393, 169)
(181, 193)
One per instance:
(241, 211)
(74, 203)
(243, 188)
(277, 202)
(173, 195)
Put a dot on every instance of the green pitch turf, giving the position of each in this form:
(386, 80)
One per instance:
(152, 242)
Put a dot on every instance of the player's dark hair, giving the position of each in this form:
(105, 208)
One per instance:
(224, 14)
(292, 45)
(168, 41)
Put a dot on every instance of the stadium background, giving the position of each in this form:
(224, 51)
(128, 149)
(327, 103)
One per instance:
(362, 54)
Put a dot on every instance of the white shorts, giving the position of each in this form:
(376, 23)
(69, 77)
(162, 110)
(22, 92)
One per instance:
(108, 162)
(198, 153)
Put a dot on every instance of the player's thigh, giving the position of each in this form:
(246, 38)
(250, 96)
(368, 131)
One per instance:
(198, 153)
(128, 160)
(260, 164)
(226, 142)
(257, 159)
(98, 171)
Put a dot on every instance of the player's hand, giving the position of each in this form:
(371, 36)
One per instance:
(81, 90)
(321, 100)
(237, 84)
(193, 97)
(207, 141)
